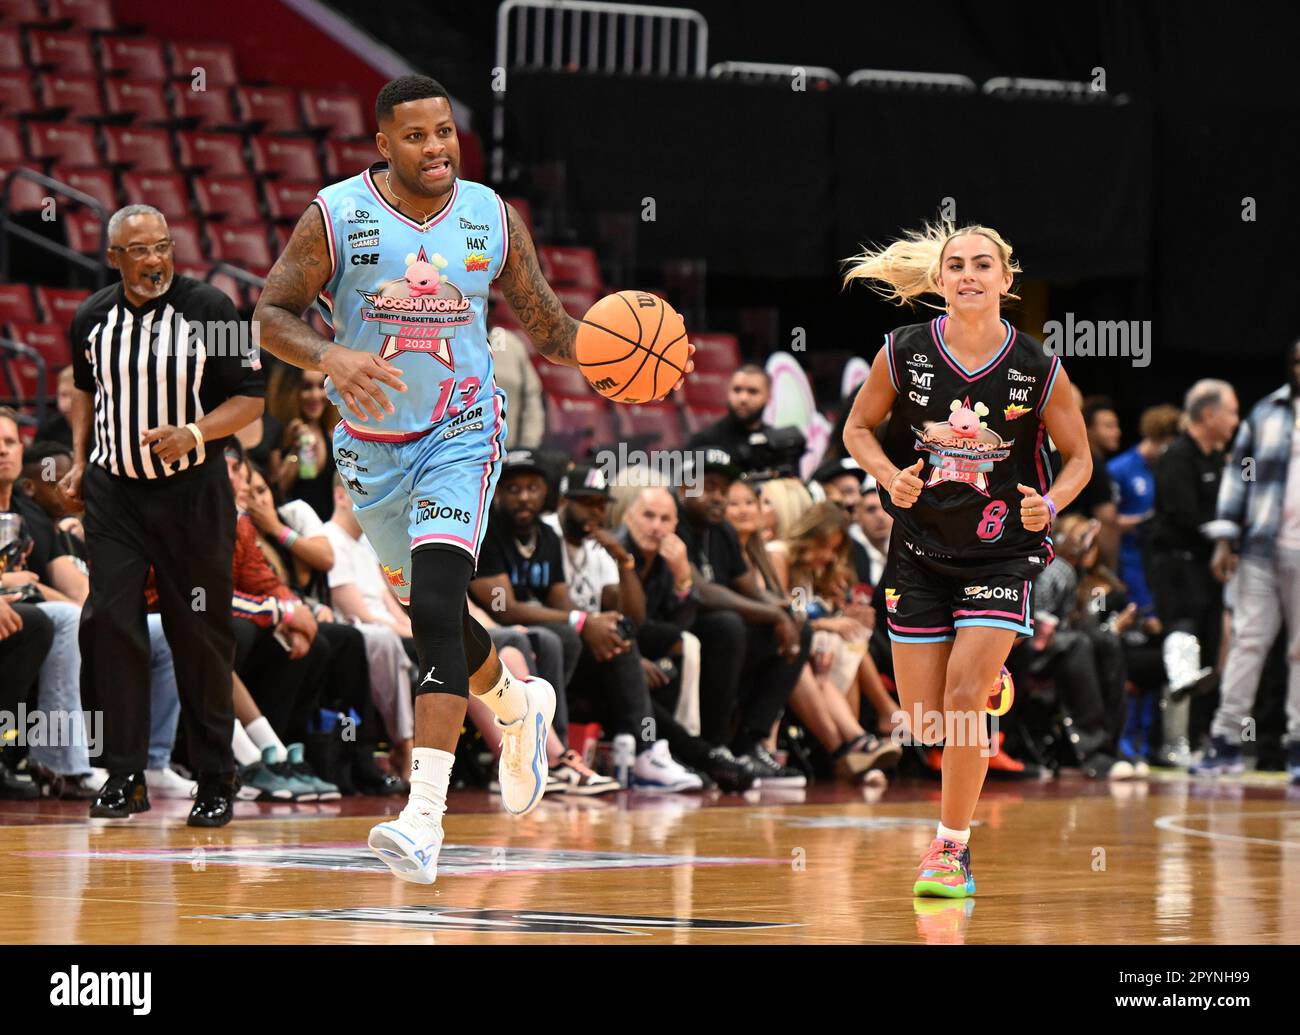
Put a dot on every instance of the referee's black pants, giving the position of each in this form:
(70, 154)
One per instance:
(184, 527)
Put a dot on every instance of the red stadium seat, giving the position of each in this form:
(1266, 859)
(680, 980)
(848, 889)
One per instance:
(716, 353)
(11, 141)
(706, 390)
(75, 95)
(16, 96)
(145, 102)
(138, 57)
(344, 158)
(570, 267)
(525, 209)
(214, 154)
(338, 112)
(85, 14)
(272, 109)
(576, 300)
(204, 109)
(11, 51)
(286, 200)
(164, 191)
(98, 183)
(49, 339)
(15, 12)
(227, 197)
(27, 195)
(217, 61)
(241, 244)
(23, 374)
(139, 149)
(579, 424)
(564, 381)
(188, 249)
(68, 53)
(64, 143)
(16, 304)
(84, 231)
(702, 416)
(291, 158)
(223, 282)
(659, 423)
(60, 304)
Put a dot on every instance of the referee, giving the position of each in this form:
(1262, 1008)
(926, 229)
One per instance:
(161, 383)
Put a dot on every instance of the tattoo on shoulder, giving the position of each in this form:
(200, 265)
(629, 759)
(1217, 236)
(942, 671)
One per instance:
(552, 329)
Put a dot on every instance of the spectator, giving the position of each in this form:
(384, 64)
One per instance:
(603, 573)
(783, 501)
(752, 444)
(1100, 497)
(817, 701)
(871, 526)
(261, 441)
(56, 427)
(296, 398)
(40, 570)
(26, 635)
(738, 620)
(841, 483)
(1188, 599)
(521, 581)
(513, 371)
(1133, 472)
(292, 537)
(1257, 541)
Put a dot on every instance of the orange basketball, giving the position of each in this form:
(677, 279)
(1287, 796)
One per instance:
(632, 347)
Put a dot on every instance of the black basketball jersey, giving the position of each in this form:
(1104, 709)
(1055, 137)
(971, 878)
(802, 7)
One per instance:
(979, 432)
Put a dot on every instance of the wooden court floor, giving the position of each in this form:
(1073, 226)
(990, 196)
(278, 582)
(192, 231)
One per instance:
(1163, 860)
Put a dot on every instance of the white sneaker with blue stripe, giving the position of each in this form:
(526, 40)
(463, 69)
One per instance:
(409, 845)
(523, 771)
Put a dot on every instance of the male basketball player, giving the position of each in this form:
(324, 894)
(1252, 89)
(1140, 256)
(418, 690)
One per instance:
(400, 258)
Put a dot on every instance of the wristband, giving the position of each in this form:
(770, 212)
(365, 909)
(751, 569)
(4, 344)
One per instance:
(193, 429)
(578, 619)
(1051, 508)
(286, 610)
(683, 590)
(287, 537)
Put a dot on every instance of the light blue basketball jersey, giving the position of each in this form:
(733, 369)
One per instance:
(416, 295)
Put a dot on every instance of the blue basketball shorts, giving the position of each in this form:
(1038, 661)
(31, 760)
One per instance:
(435, 488)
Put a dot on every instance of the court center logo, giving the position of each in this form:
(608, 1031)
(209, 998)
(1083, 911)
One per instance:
(962, 448)
(419, 311)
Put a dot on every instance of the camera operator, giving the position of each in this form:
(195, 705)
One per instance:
(753, 446)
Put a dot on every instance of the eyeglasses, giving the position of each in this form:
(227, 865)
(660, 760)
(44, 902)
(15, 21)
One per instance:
(140, 251)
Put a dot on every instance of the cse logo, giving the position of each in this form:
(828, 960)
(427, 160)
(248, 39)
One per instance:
(368, 259)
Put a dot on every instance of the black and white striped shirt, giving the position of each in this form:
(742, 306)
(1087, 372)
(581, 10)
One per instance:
(169, 361)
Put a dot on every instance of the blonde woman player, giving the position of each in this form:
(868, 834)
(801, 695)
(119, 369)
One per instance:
(963, 469)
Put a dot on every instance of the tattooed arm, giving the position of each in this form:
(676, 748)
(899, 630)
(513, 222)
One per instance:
(552, 329)
(293, 283)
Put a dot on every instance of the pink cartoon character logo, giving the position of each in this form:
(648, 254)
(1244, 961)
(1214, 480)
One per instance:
(962, 448)
(419, 311)
(422, 278)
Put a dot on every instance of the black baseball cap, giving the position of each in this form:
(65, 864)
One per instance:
(713, 460)
(584, 480)
(521, 461)
(832, 469)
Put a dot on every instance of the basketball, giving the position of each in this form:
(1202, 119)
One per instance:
(632, 347)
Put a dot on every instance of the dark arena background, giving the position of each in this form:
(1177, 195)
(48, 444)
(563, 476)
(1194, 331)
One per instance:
(1143, 794)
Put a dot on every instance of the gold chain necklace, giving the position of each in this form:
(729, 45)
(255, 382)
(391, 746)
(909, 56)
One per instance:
(402, 201)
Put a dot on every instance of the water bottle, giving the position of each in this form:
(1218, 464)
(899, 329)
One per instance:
(624, 755)
(308, 467)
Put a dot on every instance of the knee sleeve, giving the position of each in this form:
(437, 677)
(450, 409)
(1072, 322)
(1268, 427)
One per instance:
(478, 644)
(439, 581)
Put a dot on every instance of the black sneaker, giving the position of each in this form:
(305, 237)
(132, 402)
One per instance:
(121, 795)
(771, 772)
(15, 787)
(214, 802)
(370, 779)
(729, 772)
(60, 786)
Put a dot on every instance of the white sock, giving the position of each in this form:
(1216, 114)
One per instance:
(246, 752)
(506, 698)
(430, 777)
(261, 734)
(960, 836)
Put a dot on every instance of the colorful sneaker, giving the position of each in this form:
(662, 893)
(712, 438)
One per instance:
(258, 782)
(299, 788)
(1222, 758)
(571, 775)
(296, 762)
(945, 871)
(1002, 694)
(522, 769)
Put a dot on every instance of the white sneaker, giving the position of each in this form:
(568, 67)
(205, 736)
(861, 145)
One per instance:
(523, 771)
(409, 845)
(572, 775)
(168, 783)
(657, 770)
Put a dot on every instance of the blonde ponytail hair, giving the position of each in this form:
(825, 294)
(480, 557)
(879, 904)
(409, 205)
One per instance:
(909, 268)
